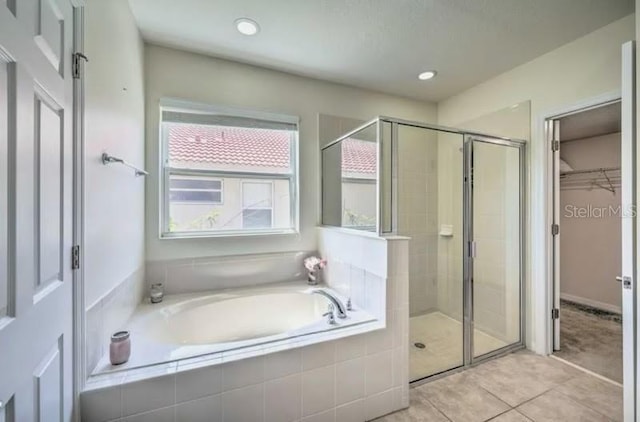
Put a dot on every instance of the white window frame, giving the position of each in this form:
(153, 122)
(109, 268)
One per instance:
(271, 208)
(214, 179)
(177, 105)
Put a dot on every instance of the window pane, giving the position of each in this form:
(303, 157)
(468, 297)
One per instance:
(228, 148)
(271, 197)
(195, 184)
(195, 196)
(256, 219)
(256, 194)
(195, 189)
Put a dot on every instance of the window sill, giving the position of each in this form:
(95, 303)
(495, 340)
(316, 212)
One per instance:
(226, 235)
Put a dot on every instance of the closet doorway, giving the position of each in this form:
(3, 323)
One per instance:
(587, 239)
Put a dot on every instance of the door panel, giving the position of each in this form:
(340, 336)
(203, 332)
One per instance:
(49, 145)
(496, 226)
(49, 28)
(430, 211)
(36, 210)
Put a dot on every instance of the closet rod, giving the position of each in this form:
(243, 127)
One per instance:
(598, 170)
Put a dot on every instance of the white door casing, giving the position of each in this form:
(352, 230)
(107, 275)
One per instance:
(36, 88)
(628, 199)
(554, 134)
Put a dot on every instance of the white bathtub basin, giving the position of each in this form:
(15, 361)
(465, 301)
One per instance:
(223, 323)
(232, 318)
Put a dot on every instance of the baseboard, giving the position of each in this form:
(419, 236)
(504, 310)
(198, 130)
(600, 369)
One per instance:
(593, 303)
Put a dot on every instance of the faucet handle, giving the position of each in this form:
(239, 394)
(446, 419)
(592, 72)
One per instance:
(330, 314)
(349, 305)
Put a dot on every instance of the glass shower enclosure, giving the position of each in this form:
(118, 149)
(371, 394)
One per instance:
(459, 197)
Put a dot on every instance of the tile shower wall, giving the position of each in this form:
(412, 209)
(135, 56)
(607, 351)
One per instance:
(450, 213)
(417, 182)
(110, 314)
(221, 272)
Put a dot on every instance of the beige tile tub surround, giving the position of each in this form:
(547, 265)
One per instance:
(519, 387)
(110, 314)
(224, 272)
(352, 379)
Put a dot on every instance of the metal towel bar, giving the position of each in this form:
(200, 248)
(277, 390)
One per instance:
(110, 159)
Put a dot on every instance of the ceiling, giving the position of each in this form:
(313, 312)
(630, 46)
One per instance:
(595, 122)
(379, 44)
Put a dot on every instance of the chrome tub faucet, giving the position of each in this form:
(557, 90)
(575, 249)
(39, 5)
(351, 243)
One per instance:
(340, 308)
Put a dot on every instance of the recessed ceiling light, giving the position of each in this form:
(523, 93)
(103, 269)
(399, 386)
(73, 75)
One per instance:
(427, 75)
(247, 26)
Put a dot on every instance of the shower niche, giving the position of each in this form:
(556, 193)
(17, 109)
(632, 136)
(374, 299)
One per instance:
(459, 196)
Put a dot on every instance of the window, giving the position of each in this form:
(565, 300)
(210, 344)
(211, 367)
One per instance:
(195, 190)
(257, 205)
(227, 172)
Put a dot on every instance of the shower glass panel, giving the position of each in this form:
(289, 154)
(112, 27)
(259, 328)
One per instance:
(429, 183)
(496, 210)
(349, 181)
(458, 196)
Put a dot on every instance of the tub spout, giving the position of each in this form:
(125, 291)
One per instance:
(341, 310)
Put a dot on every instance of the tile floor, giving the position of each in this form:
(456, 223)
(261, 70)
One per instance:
(442, 337)
(518, 387)
(591, 339)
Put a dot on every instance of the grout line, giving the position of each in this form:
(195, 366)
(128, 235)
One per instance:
(513, 409)
(587, 371)
(586, 404)
(582, 405)
(437, 408)
(496, 397)
(534, 397)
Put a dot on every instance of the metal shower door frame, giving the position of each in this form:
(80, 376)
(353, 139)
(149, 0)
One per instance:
(470, 247)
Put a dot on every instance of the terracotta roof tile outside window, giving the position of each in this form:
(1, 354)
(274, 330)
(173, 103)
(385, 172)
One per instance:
(238, 146)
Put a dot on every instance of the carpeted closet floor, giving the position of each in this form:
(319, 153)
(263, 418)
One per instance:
(591, 339)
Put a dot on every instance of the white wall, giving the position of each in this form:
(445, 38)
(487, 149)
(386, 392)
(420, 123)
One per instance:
(114, 255)
(115, 123)
(590, 247)
(172, 73)
(583, 69)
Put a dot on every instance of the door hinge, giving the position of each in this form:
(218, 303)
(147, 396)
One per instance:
(555, 229)
(555, 313)
(75, 257)
(555, 146)
(76, 64)
(472, 249)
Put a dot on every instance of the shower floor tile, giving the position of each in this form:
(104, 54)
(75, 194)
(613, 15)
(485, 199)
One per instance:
(442, 338)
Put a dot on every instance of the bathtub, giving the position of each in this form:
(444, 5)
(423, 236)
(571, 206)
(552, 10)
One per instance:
(219, 323)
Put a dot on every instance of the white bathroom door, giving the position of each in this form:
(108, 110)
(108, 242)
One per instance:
(36, 304)
(628, 277)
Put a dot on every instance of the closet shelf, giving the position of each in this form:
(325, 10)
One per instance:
(607, 178)
(589, 171)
